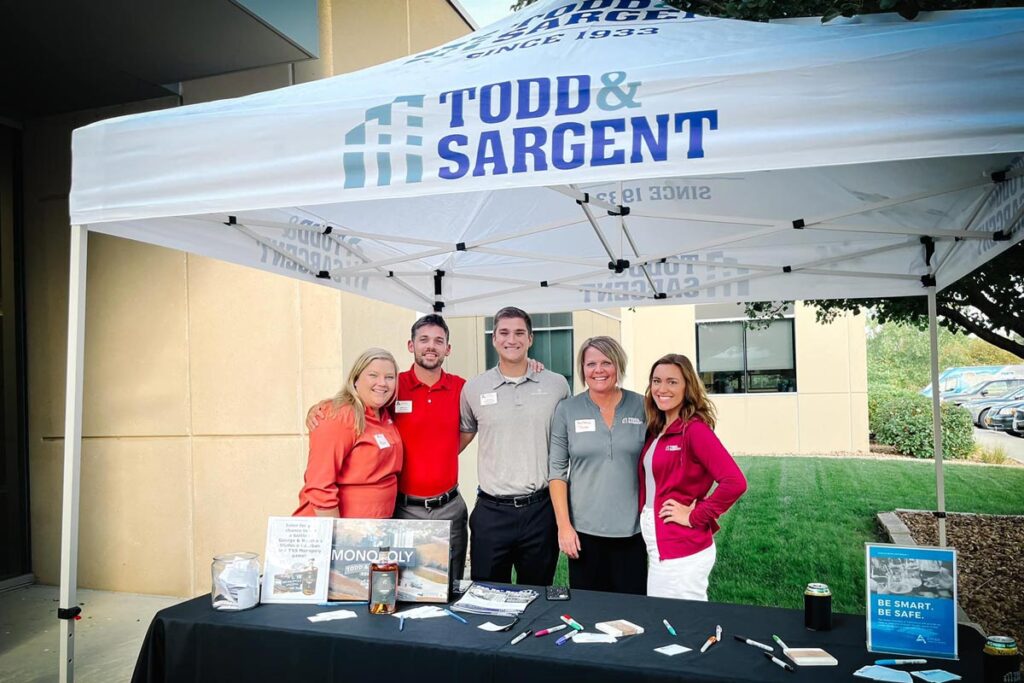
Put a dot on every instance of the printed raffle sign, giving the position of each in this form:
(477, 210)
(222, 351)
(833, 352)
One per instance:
(911, 600)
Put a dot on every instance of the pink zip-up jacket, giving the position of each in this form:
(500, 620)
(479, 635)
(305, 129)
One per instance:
(688, 459)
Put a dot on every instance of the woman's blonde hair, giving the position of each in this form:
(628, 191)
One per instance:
(695, 400)
(348, 396)
(611, 349)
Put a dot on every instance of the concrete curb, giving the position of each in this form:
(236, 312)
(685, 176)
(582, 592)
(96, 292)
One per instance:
(899, 534)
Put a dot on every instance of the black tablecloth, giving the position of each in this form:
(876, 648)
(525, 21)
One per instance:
(192, 642)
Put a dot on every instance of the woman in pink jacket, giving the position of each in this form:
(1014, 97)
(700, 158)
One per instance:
(682, 459)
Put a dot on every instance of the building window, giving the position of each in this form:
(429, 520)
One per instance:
(552, 342)
(736, 357)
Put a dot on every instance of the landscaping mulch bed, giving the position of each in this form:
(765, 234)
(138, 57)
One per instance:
(990, 559)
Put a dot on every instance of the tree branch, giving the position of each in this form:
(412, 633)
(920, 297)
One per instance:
(981, 331)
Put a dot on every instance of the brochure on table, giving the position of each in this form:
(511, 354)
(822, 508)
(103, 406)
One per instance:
(296, 559)
(911, 600)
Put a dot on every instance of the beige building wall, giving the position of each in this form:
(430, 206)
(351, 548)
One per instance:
(198, 373)
(828, 413)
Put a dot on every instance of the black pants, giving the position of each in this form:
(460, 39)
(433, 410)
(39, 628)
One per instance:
(503, 537)
(616, 565)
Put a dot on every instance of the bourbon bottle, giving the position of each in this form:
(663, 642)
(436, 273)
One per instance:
(383, 583)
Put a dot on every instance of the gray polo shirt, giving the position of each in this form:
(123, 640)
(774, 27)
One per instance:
(600, 464)
(513, 421)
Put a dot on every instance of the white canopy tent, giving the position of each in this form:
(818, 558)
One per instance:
(587, 154)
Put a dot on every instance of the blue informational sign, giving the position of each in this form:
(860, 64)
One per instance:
(911, 606)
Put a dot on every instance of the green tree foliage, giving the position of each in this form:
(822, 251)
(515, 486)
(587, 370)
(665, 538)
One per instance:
(899, 356)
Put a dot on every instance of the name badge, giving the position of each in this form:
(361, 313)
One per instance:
(490, 399)
(586, 426)
(403, 406)
(382, 441)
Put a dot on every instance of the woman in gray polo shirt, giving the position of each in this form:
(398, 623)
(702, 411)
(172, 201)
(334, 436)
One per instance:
(596, 440)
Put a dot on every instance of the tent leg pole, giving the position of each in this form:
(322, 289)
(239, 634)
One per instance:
(72, 450)
(940, 486)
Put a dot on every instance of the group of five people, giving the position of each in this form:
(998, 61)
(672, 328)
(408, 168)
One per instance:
(621, 483)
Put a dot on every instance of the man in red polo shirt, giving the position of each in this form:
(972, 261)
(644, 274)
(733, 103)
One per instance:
(427, 415)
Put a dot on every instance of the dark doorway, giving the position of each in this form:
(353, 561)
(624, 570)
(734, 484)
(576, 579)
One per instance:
(15, 560)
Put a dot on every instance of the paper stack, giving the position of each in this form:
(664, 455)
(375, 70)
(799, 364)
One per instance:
(619, 628)
(810, 656)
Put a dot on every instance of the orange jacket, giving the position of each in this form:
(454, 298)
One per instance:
(357, 475)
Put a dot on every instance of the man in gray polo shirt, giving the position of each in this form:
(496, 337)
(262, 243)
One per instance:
(513, 524)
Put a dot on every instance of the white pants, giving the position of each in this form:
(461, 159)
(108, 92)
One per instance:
(685, 578)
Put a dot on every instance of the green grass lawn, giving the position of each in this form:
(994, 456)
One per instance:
(807, 519)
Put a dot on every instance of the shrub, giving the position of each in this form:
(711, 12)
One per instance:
(903, 420)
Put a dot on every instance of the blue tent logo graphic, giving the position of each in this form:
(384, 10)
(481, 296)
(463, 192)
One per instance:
(386, 121)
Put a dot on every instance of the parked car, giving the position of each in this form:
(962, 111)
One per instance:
(1018, 423)
(994, 388)
(958, 380)
(1002, 419)
(979, 409)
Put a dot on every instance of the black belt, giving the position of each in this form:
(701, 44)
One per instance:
(516, 501)
(429, 503)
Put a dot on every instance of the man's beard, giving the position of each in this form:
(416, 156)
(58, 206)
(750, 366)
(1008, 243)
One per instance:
(426, 365)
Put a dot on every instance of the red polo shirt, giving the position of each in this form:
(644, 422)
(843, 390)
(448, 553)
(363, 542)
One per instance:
(428, 420)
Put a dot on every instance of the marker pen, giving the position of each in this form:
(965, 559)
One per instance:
(453, 615)
(748, 641)
(565, 639)
(779, 662)
(779, 641)
(545, 631)
(571, 622)
(520, 637)
(668, 626)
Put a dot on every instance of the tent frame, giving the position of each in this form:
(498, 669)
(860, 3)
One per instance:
(68, 610)
(760, 227)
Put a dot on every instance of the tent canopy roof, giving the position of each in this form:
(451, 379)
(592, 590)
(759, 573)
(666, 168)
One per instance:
(599, 153)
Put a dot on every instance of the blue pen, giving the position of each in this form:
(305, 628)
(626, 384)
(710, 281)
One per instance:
(401, 623)
(884, 662)
(453, 615)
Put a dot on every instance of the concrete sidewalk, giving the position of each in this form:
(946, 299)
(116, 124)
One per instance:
(108, 636)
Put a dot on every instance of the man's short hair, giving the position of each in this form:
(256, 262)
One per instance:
(513, 312)
(429, 319)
